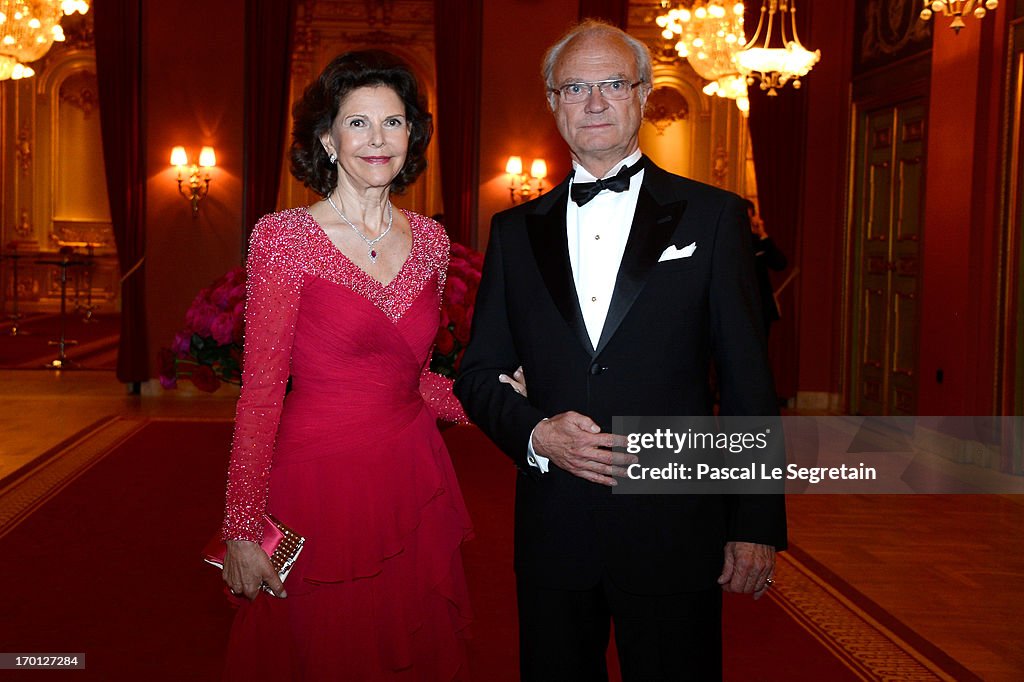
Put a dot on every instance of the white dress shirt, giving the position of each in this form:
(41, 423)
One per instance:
(597, 233)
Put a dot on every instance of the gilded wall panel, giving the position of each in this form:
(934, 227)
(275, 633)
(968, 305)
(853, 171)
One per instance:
(54, 190)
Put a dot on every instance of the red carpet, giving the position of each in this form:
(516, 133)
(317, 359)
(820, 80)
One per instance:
(30, 349)
(760, 638)
(109, 566)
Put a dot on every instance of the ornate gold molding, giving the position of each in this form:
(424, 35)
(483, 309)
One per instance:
(665, 106)
(85, 99)
(378, 38)
(379, 10)
(23, 150)
(23, 227)
(891, 26)
(719, 163)
(81, 232)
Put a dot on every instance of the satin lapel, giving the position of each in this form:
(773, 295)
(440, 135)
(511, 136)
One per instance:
(649, 235)
(551, 251)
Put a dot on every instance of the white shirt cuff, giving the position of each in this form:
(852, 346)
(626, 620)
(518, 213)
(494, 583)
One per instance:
(532, 458)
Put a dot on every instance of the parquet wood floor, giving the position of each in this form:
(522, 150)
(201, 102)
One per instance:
(950, 567)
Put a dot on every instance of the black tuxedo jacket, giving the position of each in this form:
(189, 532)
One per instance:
(666, 324)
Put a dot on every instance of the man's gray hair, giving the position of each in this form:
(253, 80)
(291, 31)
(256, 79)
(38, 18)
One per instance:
(594, 27)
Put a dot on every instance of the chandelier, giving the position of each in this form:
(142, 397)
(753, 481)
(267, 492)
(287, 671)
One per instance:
(776, 66)
(708, 35)
(27, 30)
(957, 9)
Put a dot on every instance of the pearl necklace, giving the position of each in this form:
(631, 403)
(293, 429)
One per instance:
(371, 251)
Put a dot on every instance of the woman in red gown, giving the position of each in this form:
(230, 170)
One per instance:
(344, 299)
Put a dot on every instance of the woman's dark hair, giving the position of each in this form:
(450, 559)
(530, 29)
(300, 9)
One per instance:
(316, 111)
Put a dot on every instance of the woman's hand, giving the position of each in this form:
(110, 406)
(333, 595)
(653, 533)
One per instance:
(246, 567)
(517, 381)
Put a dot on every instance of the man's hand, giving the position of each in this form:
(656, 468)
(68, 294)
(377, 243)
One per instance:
(748, 568)
(757, 227)
(575, 443)
(246, 567)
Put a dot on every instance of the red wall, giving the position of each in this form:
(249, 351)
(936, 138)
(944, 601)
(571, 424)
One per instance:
(514, 116)
(193, 83)
(959, 278)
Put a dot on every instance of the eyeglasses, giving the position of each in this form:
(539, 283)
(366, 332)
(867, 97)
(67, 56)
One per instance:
(574, 93)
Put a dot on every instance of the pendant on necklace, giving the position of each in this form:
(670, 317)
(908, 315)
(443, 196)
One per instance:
(373, 256)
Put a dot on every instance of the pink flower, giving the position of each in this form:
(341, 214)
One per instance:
(182, 343)
(460, 268)
(200, 317)
(217, 317)
(455, 290)
(223, 328)
(168, 368)
(235, 296)
(235, 275)
(221, 295)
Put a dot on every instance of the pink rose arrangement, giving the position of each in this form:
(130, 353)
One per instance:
(208, 351)
(456, 310)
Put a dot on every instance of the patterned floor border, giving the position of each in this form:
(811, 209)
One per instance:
(867, 646)
(30, 487)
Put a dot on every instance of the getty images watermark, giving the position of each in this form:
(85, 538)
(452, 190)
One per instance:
(822, 455)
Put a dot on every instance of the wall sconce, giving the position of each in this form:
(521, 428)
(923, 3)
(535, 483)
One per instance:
(198, 183)
(523, 187)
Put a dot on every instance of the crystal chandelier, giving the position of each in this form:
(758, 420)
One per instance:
(709, 35)
(957, 9)
(776, 66)
(27, 30)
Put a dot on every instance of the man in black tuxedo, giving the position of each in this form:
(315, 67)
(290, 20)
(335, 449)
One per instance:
(615, 296)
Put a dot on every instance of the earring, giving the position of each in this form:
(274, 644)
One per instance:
(333, 158)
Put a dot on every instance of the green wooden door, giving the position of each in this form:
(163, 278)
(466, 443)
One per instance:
(888, 202)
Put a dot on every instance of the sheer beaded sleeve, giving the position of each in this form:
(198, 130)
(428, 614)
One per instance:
(437, 394)
(273, 286)
(436, 389)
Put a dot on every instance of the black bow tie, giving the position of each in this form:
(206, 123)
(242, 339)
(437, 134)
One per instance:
(582, 192)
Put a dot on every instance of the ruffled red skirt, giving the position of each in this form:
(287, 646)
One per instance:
(378, 592)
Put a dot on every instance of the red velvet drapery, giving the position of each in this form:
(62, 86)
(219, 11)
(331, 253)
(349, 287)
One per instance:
(268, 38)
(458, 42)
(118, 31)
(777, 126)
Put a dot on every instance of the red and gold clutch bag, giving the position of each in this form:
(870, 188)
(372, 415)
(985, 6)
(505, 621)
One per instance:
(281, 543)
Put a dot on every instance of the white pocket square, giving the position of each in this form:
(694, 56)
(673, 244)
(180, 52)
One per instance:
(673, 252)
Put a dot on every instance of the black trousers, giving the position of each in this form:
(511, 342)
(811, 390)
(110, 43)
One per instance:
(563, 634)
